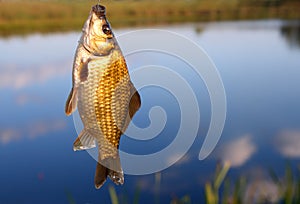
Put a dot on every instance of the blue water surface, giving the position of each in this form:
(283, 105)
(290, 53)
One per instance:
(258, 61)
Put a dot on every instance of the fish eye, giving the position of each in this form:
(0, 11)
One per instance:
(106, 29)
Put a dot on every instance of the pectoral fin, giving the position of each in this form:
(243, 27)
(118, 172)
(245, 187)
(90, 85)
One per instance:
(135, 102)
(71, 103)
(83, 70)
(84, 141)
(80, 75)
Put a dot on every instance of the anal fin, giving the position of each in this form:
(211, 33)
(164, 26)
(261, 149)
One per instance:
(71, 103)
(84, 141)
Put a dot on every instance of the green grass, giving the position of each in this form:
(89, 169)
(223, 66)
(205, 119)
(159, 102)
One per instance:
(113, 195)
(223, 190)
(21, 17)
(212, 189)
(289, 188)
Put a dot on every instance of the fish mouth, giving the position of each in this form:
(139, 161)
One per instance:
(99, 10)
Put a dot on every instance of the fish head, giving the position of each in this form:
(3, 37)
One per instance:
(98, 37)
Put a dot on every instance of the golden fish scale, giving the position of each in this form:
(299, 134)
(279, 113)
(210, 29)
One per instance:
(111, 104)
(103, 101)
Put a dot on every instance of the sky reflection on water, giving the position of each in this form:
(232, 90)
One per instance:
(259, 63)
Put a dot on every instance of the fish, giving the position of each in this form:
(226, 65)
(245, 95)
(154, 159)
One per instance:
(103, 93)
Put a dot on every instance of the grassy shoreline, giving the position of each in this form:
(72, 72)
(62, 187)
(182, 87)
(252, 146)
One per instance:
(22, 17)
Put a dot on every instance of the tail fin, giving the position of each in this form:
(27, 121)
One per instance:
(110, 167)
(115, 171)
(100, 175)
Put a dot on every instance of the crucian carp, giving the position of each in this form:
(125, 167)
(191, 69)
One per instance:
(103, 93)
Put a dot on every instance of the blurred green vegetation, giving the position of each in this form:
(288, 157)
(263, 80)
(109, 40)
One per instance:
(223, 190)
(27, 16)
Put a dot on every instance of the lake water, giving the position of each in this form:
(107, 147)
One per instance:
(259, 64)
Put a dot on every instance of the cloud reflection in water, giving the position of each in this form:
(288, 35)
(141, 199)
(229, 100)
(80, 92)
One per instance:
(17, 77)
(288, 143)
(262, 190)
(31, 130)
(26, 98)
(238, 151)
(9, 135)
